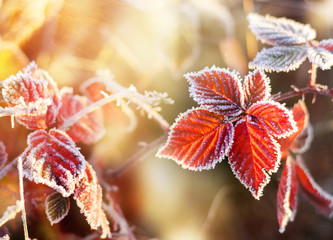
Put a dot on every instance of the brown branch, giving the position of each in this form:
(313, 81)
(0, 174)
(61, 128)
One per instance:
(315, 90)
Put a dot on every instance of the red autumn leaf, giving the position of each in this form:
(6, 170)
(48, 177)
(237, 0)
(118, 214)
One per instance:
(218, 90)
(326, 44)
(52, 158)
(256, 88)
(199, 139)
(322, 200)
(87, 129)
(273, 117)
(287, 194)
(93, 90)
(3, 155)
(299, 141)
(254, 155)
(33, 88)
(88, 196)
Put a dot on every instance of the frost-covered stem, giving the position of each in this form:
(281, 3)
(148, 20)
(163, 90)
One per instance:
(92, 107)
(8, 167)
(24, 216)
(300, 92)
(137, 157)
(313, 74)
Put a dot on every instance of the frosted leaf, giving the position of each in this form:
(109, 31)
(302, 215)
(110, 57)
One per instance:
(33, 87)
(52, 158)
(217, 89)
(274, 118)
(198, 139)
(287, 195)
(322, 200)
(321, 57)
(326, 44)
(256, 87)
(280, 58)
(88, 197)
(253, 156)
(57, 207)
(3, 155)
(89, 128)
(279, 31)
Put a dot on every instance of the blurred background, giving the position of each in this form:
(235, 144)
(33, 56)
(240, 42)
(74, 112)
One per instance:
(151, 44)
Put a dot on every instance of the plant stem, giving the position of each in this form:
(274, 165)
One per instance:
(8, 167)
(315, 90)
(24, 216)
(313, 75)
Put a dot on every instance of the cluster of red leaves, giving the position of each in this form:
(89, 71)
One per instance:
(52, 157)
(295, 173)
(236, 119)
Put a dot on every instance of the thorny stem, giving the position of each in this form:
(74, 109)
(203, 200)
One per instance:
(313, 74)
(315, 90)
(24, 216)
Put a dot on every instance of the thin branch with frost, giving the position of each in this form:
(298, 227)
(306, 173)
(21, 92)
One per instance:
(11, 212)
(8, 167)
(24, 216)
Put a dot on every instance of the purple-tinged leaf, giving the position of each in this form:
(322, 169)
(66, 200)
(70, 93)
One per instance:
(52, 158)
(254, 156)
(217, 89)
(280, 58)
(287, 195)
(274, 118)
(322, 200)
(322, 57)
(56, 207)
(326, 44)
(256, 88)
(198, 139)
(279, 31)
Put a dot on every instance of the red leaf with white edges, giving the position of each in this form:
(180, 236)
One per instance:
(217, 89)
(254, 155)
(88, 196)
(87, 129)
(3, 155)
(322, 200)
(272, 116)
(199, 139)
(287, 194)
(299, 141)
(326, 44)
(33, 88)
(52, 158)
(256, 87)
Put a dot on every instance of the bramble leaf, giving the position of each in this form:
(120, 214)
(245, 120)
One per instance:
(280, 31)
(322, 200)
(326, 44)
(217, 89)
(287, 195)
(253, 156)
(280, 58)
(88, 197)
(87, 129)
(322, 57)
(3, 155)
(52, 158)
(256, 88)
(198, 139)
(31, 87)
(273, 117)
(56, 207)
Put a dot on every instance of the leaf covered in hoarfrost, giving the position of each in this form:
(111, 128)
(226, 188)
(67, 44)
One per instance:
(322, 57)
(326, 44)
(287, 194)
(280, 31)
(198, 139)
(322, 200)
(217, 89)
(256, 87)
(36, 89)
(253, 156)
(274, 118)
(3, 155)
(88, 196)
(57, 207)
(280, 58)
(52, 158)
(87, 129)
